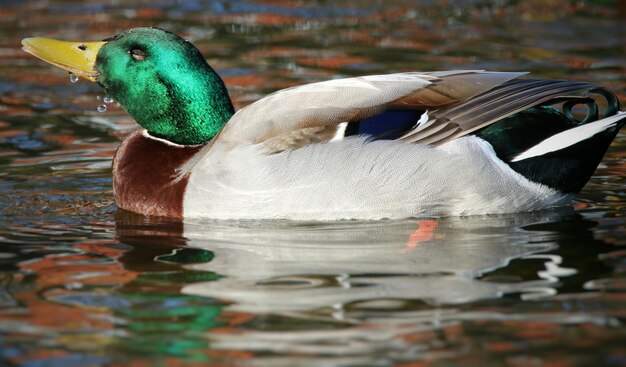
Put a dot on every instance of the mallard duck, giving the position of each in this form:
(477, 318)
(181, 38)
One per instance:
(414, 144)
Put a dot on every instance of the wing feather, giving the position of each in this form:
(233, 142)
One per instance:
(500, 102)
(458, 103)
(277, 118)
(454, 86)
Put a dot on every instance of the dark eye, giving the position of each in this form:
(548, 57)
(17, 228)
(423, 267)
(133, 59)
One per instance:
(82, 47)
(138, 54)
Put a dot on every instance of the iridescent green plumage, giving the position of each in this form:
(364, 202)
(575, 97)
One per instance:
(170, 90)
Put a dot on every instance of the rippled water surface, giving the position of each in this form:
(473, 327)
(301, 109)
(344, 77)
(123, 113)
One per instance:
(85, 284)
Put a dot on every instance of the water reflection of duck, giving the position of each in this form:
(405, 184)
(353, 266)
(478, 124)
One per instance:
(286, 268)
(354, 293)
(384, 146)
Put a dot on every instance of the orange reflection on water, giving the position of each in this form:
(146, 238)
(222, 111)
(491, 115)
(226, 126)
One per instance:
(76, 269)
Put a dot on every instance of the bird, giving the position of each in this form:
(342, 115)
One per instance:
(400, 145)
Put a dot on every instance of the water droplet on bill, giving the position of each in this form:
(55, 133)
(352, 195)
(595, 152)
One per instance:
(102, 108)
(107, 99)
(73, 78)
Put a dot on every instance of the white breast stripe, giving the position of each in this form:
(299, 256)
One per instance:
(570, 137)
(146, 134)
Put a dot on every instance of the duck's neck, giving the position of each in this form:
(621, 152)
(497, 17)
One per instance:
(186, 106)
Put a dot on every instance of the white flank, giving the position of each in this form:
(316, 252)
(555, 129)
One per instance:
(360, 179)
(570, 137)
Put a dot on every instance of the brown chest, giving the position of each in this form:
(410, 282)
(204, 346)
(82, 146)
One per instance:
(147, 177)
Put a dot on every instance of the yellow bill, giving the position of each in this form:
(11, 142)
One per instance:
(76, 57)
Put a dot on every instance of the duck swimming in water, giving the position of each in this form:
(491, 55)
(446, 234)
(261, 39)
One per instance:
(445, 143)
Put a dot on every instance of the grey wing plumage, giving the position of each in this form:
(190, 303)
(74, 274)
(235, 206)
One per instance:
(457, 102)
(283, 114)
(500, 102)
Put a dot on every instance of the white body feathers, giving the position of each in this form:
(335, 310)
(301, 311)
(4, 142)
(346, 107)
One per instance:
(385, 179)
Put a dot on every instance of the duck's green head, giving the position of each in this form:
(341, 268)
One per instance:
(162, 80)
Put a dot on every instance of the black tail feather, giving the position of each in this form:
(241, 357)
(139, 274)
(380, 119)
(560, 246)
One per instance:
(569, 168)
